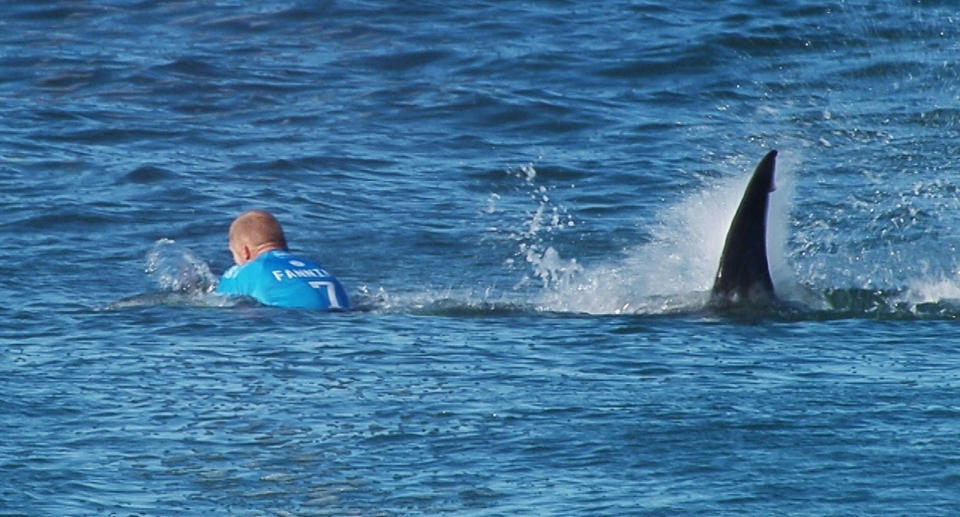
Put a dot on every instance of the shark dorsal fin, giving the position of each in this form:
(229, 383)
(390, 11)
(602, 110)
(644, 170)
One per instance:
(744, 273)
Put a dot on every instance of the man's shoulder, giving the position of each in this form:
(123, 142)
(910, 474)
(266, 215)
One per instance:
(232, 271)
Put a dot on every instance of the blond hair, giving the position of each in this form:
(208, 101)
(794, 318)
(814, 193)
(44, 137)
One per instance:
(257, 228)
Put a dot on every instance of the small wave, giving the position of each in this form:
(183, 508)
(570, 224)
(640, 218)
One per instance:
(147, 174)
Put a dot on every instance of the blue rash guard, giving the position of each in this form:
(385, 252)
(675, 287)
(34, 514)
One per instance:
(281, 279)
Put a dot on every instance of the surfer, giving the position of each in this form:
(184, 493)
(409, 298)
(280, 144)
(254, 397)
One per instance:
(266, 271)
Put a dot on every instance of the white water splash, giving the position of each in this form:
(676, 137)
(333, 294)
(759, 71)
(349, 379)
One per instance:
(534, 232)
(671, 273)
(675, 270)
(177, 269)
(933, 290)
(183, 279)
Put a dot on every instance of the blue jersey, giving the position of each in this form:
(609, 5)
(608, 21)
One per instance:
(281, 279)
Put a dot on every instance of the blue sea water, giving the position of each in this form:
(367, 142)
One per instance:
(526, 201)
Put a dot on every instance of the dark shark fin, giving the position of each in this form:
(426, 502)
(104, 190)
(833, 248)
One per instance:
(744, 273)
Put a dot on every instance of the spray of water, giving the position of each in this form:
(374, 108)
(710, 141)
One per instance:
(175, 268)
(675, 269)
(534, 233)
(182, 279)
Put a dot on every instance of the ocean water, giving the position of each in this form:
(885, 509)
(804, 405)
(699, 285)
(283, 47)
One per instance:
(526, 202)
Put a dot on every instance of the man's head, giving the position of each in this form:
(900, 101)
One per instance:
(253, 233)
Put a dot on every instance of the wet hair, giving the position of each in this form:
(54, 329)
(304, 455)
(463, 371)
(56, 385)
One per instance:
(258, 227)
